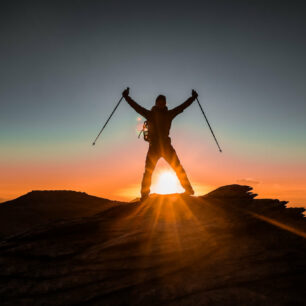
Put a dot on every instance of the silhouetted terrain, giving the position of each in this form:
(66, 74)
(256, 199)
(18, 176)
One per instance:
(40, 207)
(224, 248)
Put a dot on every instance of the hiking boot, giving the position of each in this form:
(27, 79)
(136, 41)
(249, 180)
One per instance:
(144, 197)
(188, 192)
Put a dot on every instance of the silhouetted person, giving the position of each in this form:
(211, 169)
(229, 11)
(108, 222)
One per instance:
(159, 122)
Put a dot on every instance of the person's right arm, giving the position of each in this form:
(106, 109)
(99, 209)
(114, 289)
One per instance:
(138, 108)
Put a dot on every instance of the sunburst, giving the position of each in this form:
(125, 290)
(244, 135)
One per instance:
(167, 182)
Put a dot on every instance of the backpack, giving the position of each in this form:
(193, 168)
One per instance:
(145, 131)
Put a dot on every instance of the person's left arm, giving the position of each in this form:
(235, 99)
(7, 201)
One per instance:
(179, 109)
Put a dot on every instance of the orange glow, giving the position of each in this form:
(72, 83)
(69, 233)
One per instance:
(114, 170)
(167, 182)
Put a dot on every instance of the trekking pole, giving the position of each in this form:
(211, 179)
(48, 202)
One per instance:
(209, 125)
(108, 120)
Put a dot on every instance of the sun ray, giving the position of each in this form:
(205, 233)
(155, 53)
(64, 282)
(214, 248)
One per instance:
(280, 224)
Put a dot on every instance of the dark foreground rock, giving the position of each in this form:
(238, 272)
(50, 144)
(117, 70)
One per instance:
(225, 248)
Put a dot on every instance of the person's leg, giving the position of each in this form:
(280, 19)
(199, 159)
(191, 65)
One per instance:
(151, 160)
(172, 158)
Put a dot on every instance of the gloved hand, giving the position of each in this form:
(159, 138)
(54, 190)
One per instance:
(194, 94)
(126, 92)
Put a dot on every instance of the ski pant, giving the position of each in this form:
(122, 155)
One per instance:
(166, 151)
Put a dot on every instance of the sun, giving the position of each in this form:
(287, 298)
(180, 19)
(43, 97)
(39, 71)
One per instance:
(167, 182)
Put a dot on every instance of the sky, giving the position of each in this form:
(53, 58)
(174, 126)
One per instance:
(64, 65)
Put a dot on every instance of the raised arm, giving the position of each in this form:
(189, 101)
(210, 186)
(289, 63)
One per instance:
(138, 108)
(179, 109)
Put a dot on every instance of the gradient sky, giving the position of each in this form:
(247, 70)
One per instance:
(64, 65)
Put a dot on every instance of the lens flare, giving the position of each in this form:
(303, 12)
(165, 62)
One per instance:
(167, 182)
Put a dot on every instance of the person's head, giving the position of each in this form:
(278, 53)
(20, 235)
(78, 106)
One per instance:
(160, 101)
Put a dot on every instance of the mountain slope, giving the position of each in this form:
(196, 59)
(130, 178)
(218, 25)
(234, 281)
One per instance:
(225, 248)
(41, 207)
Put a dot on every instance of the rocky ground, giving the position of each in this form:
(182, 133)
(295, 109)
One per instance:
(225, 248)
